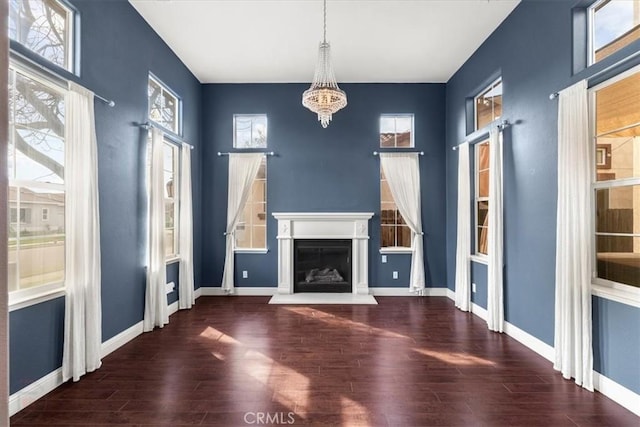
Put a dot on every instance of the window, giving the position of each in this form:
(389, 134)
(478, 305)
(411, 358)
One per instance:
(616, 184)
(394, 232)
(251, 231)
(396, 131)
(249, 131)
(171, 198)
(36, 243)
(488, 105)
(614, 24)
(481, 199)
(45, 27)
(164, 106)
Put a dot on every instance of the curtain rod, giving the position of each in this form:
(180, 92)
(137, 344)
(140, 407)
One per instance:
(149, 125)
(51, 73)
(501, 126)
(266, 153)
(376, 153)
(629, 58)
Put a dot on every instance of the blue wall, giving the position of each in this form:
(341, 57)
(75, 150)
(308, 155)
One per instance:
(118, 50)
(323, 170)
(532, 50)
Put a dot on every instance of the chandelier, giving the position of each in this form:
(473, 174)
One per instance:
(324, 97)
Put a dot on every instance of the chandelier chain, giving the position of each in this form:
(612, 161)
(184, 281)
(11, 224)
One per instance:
(324, 37)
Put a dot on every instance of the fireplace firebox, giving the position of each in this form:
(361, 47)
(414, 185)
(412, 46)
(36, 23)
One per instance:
(322, 265)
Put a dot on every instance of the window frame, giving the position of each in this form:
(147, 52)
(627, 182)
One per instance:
(605, 288)
(395, 116)
(71, 34)
(486, 89)
(178, 110)
(21, 298)
(265, 249)
(393, 249)
(250, 116)
(477, 198)
(591, 51)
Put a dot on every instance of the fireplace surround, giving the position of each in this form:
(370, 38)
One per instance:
(353, 226)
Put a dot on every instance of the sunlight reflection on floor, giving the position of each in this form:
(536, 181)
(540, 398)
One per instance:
(460, 359)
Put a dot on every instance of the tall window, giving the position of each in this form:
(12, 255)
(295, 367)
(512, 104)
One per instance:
(614, 24)
(251, 231)
(396, 131)
(36, 183)
(249, 131)
(481, 196)
(488, 104)
(164, 106)
(616, 105)
(394, 232)
(45, 27)
(171, 198)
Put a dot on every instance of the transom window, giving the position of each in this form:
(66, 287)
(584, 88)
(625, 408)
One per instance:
(36, 160)
(251, 231)
(171, 198)
(616, 184)
(481, 196)
(614, 24)
(249, 131)
(164, 106)
(488, 104)
(396, 131)
(394, 232)
(45, 27)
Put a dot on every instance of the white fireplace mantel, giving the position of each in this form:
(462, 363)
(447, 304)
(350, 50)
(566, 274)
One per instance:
(330, 225)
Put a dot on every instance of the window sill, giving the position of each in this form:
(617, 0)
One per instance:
(623, 294)
(251, 251)
(36, 298)
(172, 260)
(480, 259)
(395, 250)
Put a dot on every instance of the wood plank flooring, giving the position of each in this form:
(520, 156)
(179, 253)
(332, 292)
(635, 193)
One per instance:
(237, 361)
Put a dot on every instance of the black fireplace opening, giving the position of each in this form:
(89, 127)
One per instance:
(322, 265)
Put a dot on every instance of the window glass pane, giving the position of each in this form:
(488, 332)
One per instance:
(396, 131)
(388, 236)
(618, 259)
(404, 236)
(483, 184)
(42, 26)
(259, 236)
(250, 131)
(489, 105)
(259, 131)
(618, 209)
(618, 107)
(387, 131)
(482, 240)
(251, 229)
(169, 242)
(616, 24)
(403, 131)
(164, 107)
(36, 247)
(388, 213)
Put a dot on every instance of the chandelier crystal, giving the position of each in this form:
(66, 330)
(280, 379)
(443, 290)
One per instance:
(324, 97)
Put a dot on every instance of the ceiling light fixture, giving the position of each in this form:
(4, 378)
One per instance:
(324, 97)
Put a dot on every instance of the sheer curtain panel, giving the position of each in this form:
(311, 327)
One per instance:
(572, 342)
(402, 171)
(243, 168)
(83, 309)
(463, 241)
(185, 288)
(155, 303)
(495, 304)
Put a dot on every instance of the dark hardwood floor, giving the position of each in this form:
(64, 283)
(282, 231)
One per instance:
(237, 361)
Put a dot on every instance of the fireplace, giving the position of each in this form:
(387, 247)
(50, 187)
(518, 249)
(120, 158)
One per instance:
(322, 265)
(347, 236)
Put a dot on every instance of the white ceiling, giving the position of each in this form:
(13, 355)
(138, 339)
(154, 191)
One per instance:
(276, 41)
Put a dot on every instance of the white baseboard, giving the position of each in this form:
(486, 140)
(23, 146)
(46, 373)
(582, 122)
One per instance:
(617, 392)
(405, 292)
(117, 341)
(197, 293)
(614, 391)
(238, 292)
(34, 391)
(173, 308)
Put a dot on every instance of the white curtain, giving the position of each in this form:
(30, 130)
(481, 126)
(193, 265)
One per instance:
(463, 243)
(185, 291)
(155, 304)
(243, 168)
(495, 303)
(83, 309)
(573, 346)
(402, 171)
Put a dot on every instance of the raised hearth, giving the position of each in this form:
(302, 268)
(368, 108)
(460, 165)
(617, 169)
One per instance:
(307, 226)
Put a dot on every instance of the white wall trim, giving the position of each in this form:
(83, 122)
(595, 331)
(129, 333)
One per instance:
(117, 341)
(614, 391)
(406, 292)
(34, 391)
(197, 293)
(238, 291)
(617, 392)
(173, 307)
